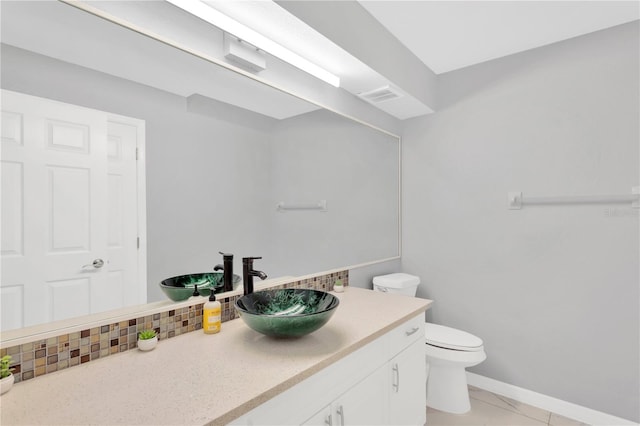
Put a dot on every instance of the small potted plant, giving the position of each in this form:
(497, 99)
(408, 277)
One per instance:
(147, 340)
(6, 376)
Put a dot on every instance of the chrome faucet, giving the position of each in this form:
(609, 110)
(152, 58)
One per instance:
(248, 273)
(228, 270)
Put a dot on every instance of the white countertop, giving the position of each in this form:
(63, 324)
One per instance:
(199, 379)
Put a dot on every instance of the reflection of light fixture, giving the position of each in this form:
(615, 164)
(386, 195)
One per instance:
(243, 54)
(225, 23)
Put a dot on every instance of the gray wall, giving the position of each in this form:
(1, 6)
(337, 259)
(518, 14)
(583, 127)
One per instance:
(323, 156)
(552, 290)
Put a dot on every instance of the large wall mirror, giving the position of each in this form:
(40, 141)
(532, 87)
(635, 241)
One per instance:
(217, 154)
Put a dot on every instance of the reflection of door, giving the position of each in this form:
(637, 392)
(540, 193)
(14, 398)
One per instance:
(63, 212)
(122, 230)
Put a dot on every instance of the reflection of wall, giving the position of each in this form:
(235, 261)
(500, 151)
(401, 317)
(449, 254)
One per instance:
(552, 290)
(215, 174)
(206, 178)
(323, 156)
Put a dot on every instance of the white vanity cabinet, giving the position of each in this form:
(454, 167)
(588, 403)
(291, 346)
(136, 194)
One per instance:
(363, 404)
(408, 385)
(407, 397)
(379, 384)
(323, 417)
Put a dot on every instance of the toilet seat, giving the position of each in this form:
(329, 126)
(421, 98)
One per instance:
(450, 338)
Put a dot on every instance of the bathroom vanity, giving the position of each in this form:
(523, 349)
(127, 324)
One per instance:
(365, 366)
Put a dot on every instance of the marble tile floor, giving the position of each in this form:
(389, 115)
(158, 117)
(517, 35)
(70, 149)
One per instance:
(488, 409)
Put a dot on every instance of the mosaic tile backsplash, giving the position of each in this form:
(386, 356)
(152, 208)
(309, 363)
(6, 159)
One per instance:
(41, 357)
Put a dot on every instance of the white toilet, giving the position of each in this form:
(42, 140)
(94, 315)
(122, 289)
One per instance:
(448, 352)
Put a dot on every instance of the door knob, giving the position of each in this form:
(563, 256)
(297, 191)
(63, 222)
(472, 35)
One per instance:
(98, 263)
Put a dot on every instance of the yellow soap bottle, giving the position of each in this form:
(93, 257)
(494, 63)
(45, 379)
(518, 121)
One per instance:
(211, 315)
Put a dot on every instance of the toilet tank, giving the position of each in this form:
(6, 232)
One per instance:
(399, 283)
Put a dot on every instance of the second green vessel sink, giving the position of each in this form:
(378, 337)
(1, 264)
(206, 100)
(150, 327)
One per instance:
(287, 312)
(181, 287)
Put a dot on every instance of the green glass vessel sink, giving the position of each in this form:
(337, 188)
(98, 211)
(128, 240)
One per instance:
(181, 287)
(286, 312)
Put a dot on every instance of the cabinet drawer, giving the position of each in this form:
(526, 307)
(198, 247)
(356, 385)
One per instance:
(406, 334)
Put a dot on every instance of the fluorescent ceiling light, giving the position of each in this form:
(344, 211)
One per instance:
(231, 26)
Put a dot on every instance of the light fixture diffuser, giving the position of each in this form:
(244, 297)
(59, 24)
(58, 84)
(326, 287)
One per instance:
(231, 26)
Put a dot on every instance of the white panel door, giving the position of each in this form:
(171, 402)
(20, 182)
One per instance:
(122, 230)
(59, 227)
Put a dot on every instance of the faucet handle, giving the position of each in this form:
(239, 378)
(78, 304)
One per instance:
(248, 261)
(226, 255)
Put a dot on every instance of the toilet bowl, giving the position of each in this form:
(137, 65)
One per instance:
(448, 352)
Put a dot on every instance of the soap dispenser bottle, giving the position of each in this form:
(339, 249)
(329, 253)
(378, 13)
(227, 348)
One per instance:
(211, 315)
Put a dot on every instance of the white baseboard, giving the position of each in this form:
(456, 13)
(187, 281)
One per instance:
(558, 406)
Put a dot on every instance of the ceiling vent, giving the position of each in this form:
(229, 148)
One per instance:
(381, 94)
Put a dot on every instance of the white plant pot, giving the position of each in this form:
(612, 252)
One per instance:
(6, 383)
(147, 345)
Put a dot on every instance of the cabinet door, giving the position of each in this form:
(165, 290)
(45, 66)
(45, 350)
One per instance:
(408, 395)
(365, 403)
(323, 417)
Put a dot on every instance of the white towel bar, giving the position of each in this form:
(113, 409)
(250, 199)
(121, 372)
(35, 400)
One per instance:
(516, 200)
(320, 206)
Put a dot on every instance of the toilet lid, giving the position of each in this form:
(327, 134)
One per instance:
(397, 280)
(450, 338)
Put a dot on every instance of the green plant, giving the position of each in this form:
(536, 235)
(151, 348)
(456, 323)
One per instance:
(5, 370)
(146, 334)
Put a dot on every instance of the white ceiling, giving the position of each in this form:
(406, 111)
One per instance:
(448, 35)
